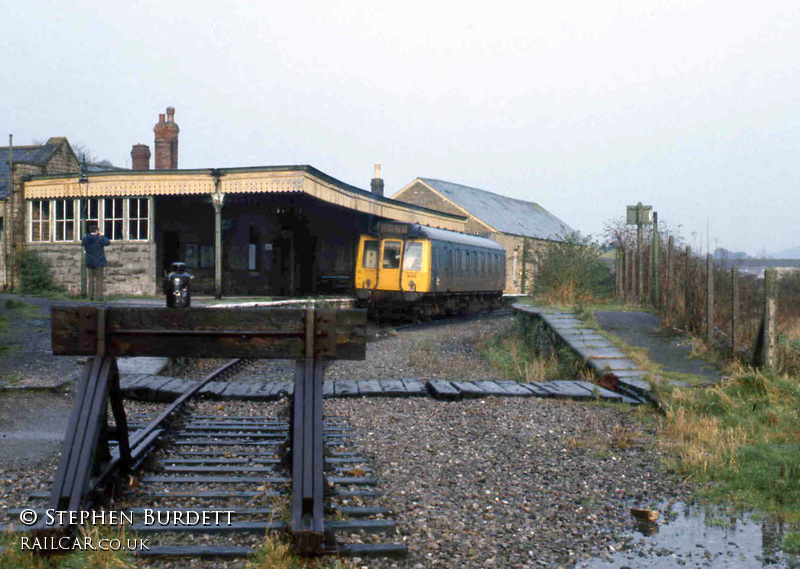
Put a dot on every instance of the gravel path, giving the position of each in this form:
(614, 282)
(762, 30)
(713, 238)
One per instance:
(483, 483)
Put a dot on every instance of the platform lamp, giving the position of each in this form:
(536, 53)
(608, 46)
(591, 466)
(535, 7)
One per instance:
(83, 191)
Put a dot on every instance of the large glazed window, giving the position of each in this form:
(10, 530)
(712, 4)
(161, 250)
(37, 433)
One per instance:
(413, 258)
(40, 220)
(65, 220)
(391, 254)
(369, 257)
(113, 218)
(138, 219)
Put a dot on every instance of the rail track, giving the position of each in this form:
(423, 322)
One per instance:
(212, 483)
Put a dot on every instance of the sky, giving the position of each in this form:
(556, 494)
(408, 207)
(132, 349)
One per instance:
(583, 107)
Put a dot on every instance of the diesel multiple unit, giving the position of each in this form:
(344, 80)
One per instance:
(432, 271)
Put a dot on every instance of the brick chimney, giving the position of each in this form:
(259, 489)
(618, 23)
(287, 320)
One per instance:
(166, 141)
(140, 157)
(376, 185)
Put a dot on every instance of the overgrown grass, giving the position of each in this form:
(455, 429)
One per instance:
(275, 553)
(14, 557)
(523, 352)
(742, 434)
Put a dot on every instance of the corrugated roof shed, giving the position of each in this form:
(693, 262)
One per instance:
(506, 215)
(38, 154)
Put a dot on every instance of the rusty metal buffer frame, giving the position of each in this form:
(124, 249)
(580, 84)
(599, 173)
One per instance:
(89, 463)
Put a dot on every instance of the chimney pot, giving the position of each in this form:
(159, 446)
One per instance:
(166, 150)
(140, 157)
(161, 117)
(376, 185)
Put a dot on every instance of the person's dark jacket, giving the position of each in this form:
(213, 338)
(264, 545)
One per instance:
(95, 256)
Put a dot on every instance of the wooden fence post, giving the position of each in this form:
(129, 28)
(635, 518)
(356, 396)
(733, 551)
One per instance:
(656, 284)
(709, 298)
(734, 310)
(688, 284)
(668, 285)
(619, 274)
(630, 266)
(770, 316)
(639, 252)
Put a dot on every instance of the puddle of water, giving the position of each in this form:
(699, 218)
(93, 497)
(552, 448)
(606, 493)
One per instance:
(689, 537)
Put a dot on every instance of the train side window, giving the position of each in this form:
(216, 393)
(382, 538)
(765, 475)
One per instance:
(391, 254)
(370, 255)
(413, 257)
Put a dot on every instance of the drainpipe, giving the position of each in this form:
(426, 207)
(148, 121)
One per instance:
(9, 256)
(218, 199)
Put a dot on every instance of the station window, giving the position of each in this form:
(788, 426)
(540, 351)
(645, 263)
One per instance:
(138, 219)
(413, 258)
(65, 220)
(113, 217)
(391, 254)
(91, 212)
(40, 220)
(369, 256)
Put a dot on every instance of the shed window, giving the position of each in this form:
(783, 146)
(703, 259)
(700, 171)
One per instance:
(91, 212)
(391, 254)
(413, 258)
(40, 220)
(369, 257)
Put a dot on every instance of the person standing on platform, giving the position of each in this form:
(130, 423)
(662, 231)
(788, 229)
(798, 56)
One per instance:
(94, 242)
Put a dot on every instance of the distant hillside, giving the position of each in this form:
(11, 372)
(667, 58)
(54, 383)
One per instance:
(793, 253)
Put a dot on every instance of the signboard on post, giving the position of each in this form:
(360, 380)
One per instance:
(647, 215)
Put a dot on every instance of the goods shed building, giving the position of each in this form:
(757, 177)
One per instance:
(519, 226)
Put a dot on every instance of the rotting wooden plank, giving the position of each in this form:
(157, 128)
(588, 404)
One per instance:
(598, 391)
(327, 389)
(222, 528)
(514, 389)
(441, 389)
(213, 479)
(353, 480)
(468, 389)
(214, 332)
(415, 387)
(393, 387)
(492, 388)
(566, 388)
(213, 388)
(369, 387)
(193, 551)
(536, 389)
(236, 390)
(367, 526)
(345, 388)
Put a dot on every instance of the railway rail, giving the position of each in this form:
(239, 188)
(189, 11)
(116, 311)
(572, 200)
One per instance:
(299, 474)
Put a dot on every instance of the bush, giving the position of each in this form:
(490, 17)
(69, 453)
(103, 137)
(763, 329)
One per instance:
(571, 270)
(35, 274)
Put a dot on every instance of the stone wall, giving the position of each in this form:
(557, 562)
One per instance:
(130, 270)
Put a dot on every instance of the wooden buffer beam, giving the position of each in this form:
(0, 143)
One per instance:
(306, 335)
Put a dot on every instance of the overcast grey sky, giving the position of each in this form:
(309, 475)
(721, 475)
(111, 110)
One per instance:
(581, 106)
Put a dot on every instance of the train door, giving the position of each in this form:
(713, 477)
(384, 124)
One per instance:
(367, 263)
(389, 273)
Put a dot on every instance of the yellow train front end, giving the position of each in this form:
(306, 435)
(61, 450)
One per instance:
(392, 266)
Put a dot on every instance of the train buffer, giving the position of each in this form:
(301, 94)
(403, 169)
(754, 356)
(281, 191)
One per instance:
(90, 466)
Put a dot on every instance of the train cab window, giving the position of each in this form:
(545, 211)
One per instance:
(391, 254)
(370, 255)
(413, 257)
